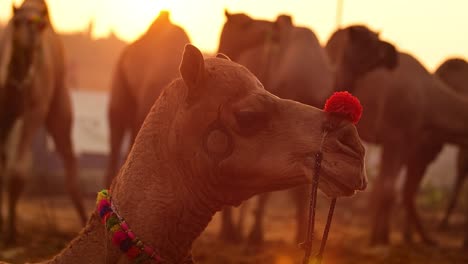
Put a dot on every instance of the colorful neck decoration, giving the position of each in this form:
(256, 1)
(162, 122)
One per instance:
(345, 106)
(122, 235)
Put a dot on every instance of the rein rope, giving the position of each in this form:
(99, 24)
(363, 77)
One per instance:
(307, 245)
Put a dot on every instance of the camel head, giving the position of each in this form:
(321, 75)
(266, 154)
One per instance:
(29, 21)
(355, 51)
(240, 140)
(241, 32)
(454, 72)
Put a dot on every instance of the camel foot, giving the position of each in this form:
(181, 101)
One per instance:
(256, 237)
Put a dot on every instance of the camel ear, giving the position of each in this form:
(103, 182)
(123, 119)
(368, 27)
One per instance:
(222, 56)
(355, 33)
(389, 55)
(192, 69)
(283, 21)
(226, 13)
(15, 9)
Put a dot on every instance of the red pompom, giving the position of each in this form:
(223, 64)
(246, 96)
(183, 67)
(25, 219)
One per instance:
(344, 104)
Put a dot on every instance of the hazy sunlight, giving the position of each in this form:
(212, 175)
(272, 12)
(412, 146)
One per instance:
(430, 30)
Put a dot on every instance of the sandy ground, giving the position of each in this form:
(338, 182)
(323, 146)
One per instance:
(46, 225)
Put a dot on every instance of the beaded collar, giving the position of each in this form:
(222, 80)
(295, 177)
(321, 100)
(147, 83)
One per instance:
(122, 235)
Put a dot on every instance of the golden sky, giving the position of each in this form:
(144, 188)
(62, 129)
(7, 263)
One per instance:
(432, 30)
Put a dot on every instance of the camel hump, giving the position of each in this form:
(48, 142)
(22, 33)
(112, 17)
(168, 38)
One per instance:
(284, 21)
(454, 64)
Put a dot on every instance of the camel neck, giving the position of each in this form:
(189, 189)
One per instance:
(172, 216)
(177, 206)
(89, 247)
(21, 61)
(447, 113)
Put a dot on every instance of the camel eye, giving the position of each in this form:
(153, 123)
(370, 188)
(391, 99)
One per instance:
(251, 122)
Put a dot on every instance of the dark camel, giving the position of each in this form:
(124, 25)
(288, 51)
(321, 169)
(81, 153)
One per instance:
(410, 113)
(454, 72)
(144, 68)
(33, 93)
(214, 138)
(291, 63)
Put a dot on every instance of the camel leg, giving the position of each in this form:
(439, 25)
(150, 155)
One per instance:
(411, 186)
(462, 173)
(228, 231)
(59, 126)
(31, 123)
(5, 130)
(3, 160)
(118, 125)
(301, 197)
(465, 242)
(121, 116)
(256, 235)
(383, 195)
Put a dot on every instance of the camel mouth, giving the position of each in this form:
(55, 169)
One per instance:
(331, 184)
(343, 189)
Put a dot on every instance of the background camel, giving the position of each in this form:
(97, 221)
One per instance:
(454, 72)
(409, 112)
(216, 137)
(143, 69)
(32, 91)
(292, 64)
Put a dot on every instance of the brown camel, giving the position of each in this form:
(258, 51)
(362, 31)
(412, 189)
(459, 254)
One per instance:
(33, 93)
(143, 69)
(216, 137)
(409, 112)
(291, 63)
(454, 72)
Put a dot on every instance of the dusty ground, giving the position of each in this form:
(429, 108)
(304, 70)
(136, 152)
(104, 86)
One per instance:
(46, 225)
